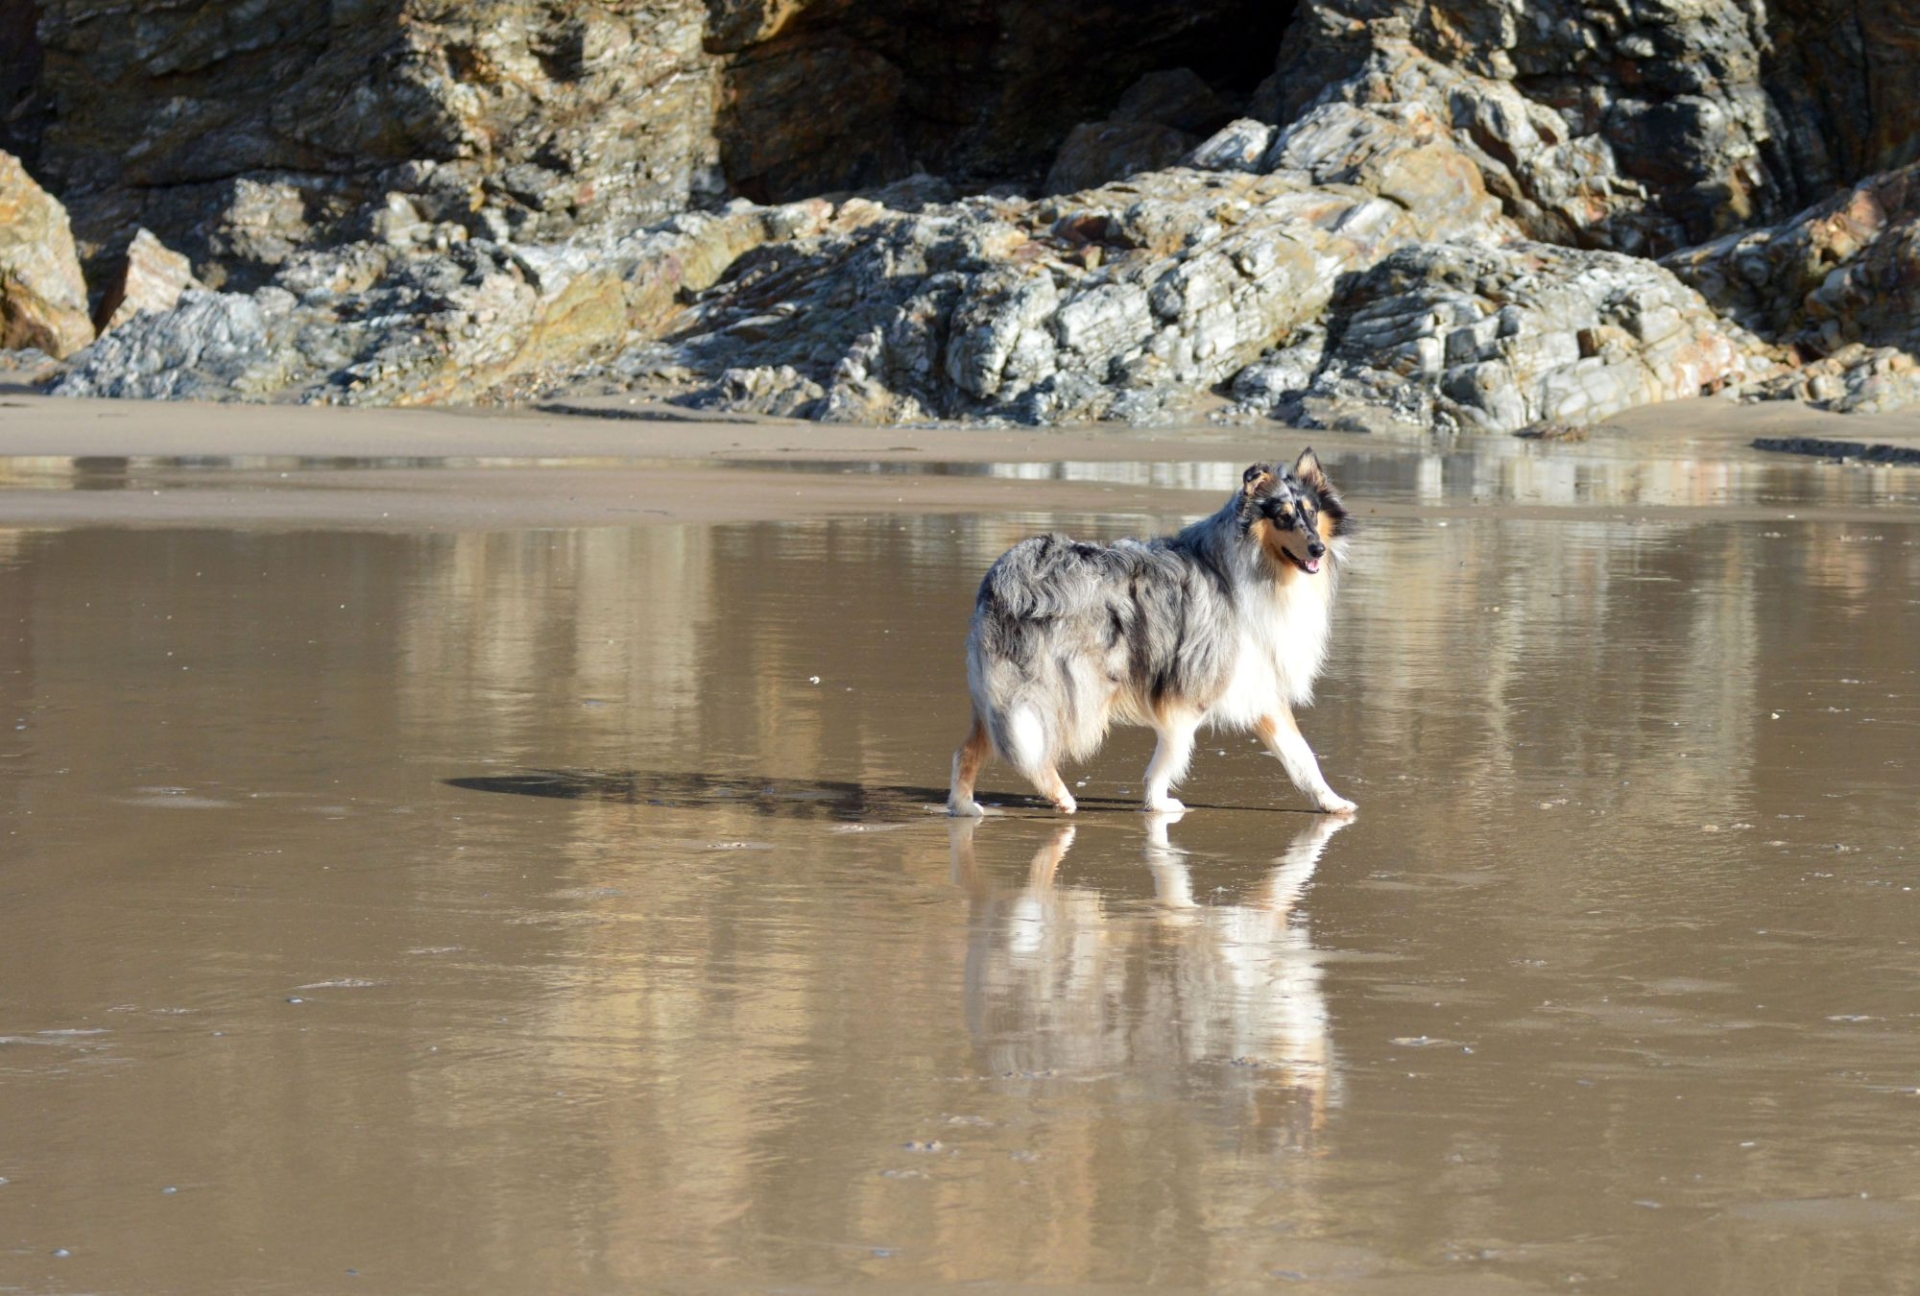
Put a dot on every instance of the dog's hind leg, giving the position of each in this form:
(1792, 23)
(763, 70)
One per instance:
(1283, 738)
(1054, 789)
(967, 760)
(1170, 760)
(1029, 751)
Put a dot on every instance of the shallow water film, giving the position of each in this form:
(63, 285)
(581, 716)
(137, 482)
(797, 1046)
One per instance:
(566, 909)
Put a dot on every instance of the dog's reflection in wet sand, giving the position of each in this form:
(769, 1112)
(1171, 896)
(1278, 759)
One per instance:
(1066, 981)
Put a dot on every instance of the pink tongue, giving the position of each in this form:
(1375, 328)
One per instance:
(1312, 565)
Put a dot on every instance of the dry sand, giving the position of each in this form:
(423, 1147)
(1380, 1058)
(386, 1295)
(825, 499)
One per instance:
(608, 463)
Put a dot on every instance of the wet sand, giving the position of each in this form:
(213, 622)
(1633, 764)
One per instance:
(505, 895)
(70, 463)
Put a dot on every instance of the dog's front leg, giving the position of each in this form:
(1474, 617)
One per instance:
(1283, 738)
(1170, 761)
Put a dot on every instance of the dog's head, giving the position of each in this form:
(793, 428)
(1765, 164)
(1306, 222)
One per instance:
(1295, 513)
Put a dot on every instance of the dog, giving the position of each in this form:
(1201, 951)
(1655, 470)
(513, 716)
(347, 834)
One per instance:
(1223, 624)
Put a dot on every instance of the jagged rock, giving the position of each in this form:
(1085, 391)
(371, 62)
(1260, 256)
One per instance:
(1240, 145)
(425, 202)
(158, 103)
(1501, 338)
(1836, 286)
(1840, 83)
(1284, 373)
(1558, 185)
(530, 121)
(211, 346)
(150, 279)
(1402, 152)
(43, 299)
(1845, 270)
(1854, 379)
(1676, 99)
(1124, 301)
(781, 392)
(376, 323)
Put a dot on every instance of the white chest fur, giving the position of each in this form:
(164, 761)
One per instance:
(1282, 645)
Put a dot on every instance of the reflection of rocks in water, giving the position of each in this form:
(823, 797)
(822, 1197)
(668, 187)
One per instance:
(1225, 997)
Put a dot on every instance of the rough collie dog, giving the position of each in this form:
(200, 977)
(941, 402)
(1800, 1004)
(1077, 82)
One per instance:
(1224, 624)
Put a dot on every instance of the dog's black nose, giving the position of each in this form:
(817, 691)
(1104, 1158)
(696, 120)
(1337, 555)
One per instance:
(1315, 549)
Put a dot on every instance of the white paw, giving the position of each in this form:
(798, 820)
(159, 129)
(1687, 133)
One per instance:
(1333, 803)
(967, 809)
(1066, 804)
(1164, 805)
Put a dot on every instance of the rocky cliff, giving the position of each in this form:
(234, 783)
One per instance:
(1481, 214)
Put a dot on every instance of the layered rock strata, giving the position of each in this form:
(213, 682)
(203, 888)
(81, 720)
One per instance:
(1423, 215)
(1479, 338)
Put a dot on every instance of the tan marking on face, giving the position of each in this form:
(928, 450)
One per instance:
(1283, 544)
(1273, 542)
(1325, 526)
(1283, 548)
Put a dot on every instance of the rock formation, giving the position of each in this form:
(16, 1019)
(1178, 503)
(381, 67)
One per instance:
(1363, 213)
(43, 300)
(150, 278)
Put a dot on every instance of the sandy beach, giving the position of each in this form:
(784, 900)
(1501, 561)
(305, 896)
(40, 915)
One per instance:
(608, 463)
(432, 834)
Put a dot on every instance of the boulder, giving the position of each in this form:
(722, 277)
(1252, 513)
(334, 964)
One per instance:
(43, 299)
(1479, 337)
(1240, 145)
(151, 279)
(1846, 270)
(211, 346)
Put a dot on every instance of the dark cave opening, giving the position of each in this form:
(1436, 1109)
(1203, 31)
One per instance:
(23, 109)
(982, 92)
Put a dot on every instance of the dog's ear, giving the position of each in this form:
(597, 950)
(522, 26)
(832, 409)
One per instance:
(1257, 480)
(1334, 520)
(1307, 469)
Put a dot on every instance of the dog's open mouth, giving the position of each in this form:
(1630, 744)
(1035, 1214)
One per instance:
(1311, 566)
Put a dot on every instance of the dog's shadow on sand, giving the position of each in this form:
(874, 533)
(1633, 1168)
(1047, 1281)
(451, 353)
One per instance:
(785, 798)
